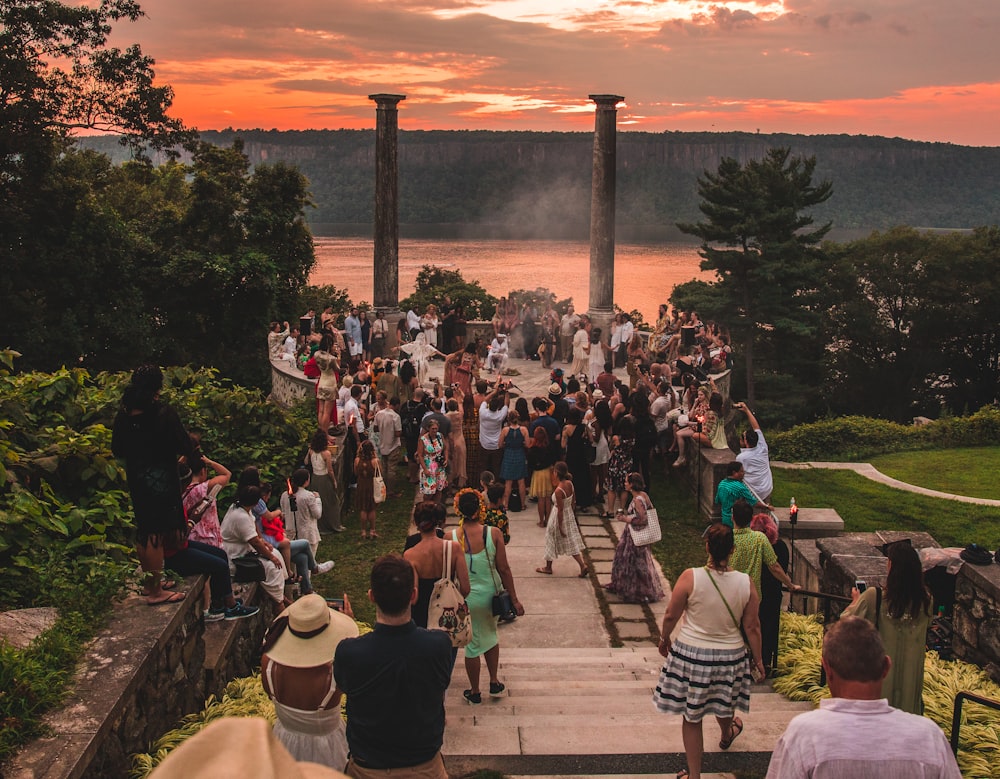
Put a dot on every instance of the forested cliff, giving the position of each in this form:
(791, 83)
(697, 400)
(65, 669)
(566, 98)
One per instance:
(535, 184)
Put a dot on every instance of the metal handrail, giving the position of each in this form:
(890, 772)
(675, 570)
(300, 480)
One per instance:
(956, 717)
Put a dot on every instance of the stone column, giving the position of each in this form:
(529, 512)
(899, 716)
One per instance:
(602, 214)
(386, 266)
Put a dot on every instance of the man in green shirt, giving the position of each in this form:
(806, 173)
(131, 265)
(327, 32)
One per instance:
(751, 549)
(732, 489)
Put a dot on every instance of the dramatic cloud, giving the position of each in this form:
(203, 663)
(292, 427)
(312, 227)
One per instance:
(916, 68)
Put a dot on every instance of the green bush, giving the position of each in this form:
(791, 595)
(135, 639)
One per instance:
(849, 439)
(65, 517)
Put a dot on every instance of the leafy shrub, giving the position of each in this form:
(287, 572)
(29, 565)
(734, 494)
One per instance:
(65, 517)
(847, 439)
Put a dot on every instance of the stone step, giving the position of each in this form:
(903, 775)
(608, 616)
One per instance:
(584, 703)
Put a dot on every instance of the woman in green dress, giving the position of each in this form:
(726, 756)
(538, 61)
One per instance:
(902, 621)
(486, 559)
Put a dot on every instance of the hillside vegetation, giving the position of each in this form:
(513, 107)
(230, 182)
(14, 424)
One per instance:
(537, 184)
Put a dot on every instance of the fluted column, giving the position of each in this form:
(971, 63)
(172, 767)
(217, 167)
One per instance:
(602, 213)
(386, 266)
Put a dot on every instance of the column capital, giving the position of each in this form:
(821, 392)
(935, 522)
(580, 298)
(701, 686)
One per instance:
(384, 100)
(606, 101)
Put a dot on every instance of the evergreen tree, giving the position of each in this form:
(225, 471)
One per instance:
(767, 261)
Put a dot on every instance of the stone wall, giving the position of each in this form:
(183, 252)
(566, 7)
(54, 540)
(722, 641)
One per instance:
(143, 672)
(976, 617)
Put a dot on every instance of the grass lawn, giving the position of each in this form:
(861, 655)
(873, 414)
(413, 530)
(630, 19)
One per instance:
(682, 545)
(969, 471)
(867, 506)
(355, 557)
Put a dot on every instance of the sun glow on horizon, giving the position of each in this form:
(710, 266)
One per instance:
(611, 15)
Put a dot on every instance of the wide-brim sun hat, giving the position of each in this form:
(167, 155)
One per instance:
(237, 746)
(312, 633)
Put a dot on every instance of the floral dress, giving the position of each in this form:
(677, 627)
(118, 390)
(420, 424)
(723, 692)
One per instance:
(633, 574)
(433, 474)
(621, 463)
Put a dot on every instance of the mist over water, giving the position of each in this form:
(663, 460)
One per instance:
(645, 274)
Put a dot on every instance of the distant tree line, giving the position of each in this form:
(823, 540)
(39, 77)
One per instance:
(537, 184)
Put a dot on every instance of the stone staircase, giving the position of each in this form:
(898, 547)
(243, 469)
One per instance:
(575, 705)
(589, 712)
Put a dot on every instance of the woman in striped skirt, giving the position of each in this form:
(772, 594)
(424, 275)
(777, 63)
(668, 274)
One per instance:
(708, 667)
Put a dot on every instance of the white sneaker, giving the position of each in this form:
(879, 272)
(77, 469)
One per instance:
(324, 567)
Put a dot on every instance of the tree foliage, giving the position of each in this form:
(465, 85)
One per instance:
(434, 283)
(911, 323)
(760, 242)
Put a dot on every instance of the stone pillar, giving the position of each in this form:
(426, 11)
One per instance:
(602, 215)
(386, 265)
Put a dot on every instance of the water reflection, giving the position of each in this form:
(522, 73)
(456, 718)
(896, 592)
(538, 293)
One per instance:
(644, 274)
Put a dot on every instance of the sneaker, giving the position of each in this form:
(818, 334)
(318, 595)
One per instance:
(340, 529)
(214, 615)
(239, 611)
(324, 567)
(474, 699)
(496, 689)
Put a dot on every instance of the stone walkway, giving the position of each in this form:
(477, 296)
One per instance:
(869, 471)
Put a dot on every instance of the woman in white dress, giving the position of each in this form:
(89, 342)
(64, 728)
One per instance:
(297, 672)
(562, 534)
(429, 323)
(420, 353)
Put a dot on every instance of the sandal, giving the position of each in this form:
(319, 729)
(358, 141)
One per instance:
(683, 774)
(373, 534)
(734, 731)
(546, 571)
(584, 573)
(173, 597)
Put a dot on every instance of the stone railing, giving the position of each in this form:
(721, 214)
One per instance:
(976, 618)
(143, 672)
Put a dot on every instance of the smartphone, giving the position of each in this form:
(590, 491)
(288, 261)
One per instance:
(860, 585)
(337, 604)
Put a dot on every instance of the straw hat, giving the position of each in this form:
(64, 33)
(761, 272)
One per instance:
(555, 390)
(597, 395)
(312, 633)
(237, 746)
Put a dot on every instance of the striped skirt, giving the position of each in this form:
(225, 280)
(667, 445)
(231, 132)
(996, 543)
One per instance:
(697, 682)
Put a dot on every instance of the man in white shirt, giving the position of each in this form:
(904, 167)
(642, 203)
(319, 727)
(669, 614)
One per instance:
(659, 409)
(856, 733)
(754, 458)
(567, 329)
(626, 331)
(496, 360)
(289, 347)
(492, 415)
(413, 323)
(390, 431)
(352, 332)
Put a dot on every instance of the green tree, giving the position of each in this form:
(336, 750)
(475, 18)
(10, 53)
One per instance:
(433, 283)
(767, 261)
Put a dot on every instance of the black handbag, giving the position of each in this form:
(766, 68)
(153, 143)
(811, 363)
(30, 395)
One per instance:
(502, 604)
(249, 568)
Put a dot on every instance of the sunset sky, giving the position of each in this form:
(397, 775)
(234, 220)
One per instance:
(920, 69)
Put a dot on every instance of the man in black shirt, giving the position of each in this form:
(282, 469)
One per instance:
(395, 679)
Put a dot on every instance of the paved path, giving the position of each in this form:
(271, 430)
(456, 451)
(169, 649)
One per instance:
(869, 471)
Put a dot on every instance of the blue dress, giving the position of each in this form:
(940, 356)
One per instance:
(515, 462)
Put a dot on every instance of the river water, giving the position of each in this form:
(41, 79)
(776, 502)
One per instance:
(645, 274)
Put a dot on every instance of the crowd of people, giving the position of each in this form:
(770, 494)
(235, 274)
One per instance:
(589, 444)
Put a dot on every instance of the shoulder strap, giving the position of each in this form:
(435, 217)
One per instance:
(716, 585)
(446, 559)
(330, 692)
(878, 605)
(269, 673)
